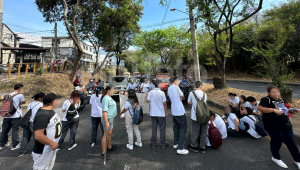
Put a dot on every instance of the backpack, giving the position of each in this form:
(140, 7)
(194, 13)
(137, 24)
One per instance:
(137, 114)
(214, 135)
(8, 108)
(74, 84)
(259, 128)
(24, 123)
(71, 112)
(202, 112)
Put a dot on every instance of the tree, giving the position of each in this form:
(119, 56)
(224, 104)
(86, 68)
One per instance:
(218, 18)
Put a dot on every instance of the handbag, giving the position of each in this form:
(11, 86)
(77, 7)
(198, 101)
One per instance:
(259, 128)
(24, 123)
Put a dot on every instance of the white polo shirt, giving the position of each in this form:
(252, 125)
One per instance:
(221, 126)
(230, 120)
(251, 124)
(66, 106)
(177, 107)
(235, 101)
(156, 98)
(96, 105)
(145, 87)
(192, 99)
(254, 107)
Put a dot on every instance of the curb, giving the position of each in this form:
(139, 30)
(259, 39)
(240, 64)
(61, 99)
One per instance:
(258, 81)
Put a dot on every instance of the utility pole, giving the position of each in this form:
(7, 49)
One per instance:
(55, 31)
(1, 17)
(194, 42)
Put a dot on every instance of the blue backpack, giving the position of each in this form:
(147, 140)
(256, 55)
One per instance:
(137, 116)
(259, 128)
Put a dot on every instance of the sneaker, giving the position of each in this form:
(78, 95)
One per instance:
(112, 148)
(202, 150)
(58, 148)
(279, 163)
(165, 145)
(107, 156)
(5, 146)
(175, 146)
(182, 152)
(138, 144)
(194, 149)
(72, 147)
(153, 146)
(93, 144)
(129, 146)
(297, 164)
(22, 154)
(16, 147)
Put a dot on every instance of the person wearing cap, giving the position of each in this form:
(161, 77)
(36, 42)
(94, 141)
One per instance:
(28, 132)
(47, 131)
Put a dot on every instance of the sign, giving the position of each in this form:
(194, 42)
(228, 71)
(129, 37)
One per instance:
(142, 102)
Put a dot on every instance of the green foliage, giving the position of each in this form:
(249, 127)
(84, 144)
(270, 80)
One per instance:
(39, 71)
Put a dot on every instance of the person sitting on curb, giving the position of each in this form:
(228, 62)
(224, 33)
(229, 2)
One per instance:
(233, 123)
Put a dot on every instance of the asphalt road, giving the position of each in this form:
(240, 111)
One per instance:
(256, 87)
(235, 153)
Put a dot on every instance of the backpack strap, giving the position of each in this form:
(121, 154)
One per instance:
(129, 101)
(269, 100)
(195, 96)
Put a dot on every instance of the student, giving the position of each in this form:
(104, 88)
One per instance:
(198, 130)
(233, 100)
(13, 121)
(253, 104)
(145, 86)
(70, 124)
(109, 112)
(233, 123)
(151, 85)
(131, 85)
(130, 126)
(28, 132)
(220, 124)
(278, 126)
(243, 101)
(179, 118)
(47, 131)
(249, 119)
(158, 113)
(96, 114)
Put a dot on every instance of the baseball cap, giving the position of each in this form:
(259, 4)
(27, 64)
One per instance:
(50, 98)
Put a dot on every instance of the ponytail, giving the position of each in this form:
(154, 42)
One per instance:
(105, 91)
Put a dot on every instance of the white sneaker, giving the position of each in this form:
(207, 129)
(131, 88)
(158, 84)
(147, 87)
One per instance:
(182, 152)
(175, 146)
(5, 146)
(72, 147)
(138, 144)
(279, 163)
(16, 147)
(297, 164)
(129, 146)
(93, 144)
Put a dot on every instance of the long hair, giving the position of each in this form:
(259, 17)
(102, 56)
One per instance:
(38, 96)
(132, 96)
(105, 91)
(98, 90)
(75, 97)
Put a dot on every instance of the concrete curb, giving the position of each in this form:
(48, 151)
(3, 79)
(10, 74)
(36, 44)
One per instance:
(258, 81)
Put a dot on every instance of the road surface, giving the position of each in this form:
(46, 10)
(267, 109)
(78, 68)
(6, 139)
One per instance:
(235, 153)
(255, 87)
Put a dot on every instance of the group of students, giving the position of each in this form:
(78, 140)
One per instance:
(144, 86)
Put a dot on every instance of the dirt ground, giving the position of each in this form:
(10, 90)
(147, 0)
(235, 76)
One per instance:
(221, 97)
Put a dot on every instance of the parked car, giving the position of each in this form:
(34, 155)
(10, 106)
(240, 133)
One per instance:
(119, 83)
(165, 82)
(4, 69)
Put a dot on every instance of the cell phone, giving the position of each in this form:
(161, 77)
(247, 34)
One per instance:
(148, 88)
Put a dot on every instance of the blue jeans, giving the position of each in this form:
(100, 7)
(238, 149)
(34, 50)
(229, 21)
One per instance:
(241, 125)
(27, 133)
(96, 121)
(10, 123)
(286, 136)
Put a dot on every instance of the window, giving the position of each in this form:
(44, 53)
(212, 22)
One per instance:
(90, 49)
(86, 47)
(118, 79)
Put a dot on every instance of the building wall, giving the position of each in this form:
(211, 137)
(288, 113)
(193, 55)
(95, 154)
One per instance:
(9, 39)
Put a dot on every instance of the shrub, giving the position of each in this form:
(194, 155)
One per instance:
(39, 71)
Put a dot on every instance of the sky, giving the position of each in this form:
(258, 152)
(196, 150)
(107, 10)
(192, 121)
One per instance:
(23, 17)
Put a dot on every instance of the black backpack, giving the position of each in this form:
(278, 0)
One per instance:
(71, 112)
(24, 123)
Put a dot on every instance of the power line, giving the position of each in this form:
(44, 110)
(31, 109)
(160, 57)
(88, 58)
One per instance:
(158, 24)
(165, 13)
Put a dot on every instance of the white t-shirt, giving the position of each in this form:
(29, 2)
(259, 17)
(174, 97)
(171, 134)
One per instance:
(79, 88)
(131, 86)
(144, 87)
(152, 86)
(250, 122)
(192, 99)
(235, 101)
(221, 126)
(177, 107)
(128, 106)
(66, 106)
(96, 105)
(230, 120)
(17, 100)
(255, 107)
(34, 106)
(247, 104)
(156, 98)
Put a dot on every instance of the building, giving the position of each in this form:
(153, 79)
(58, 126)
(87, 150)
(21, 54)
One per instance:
(67, 47)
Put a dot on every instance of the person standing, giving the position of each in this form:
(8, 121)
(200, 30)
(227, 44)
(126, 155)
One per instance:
(145, 86)
(13, 121)
(158, 113)
(151, 85)
(72, 123)
(96, 114)
(130, 126)
(47, 132)
(109, 112)
(198, 130)
(131, 85)
(179, 118)
(278, 126)
(28, 132)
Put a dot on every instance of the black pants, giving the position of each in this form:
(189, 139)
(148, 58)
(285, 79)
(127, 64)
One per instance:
(286, 136)
(161, 122)
(232, 132)
(10, 123)
(66, 125)
(95, 123)
(27, 134)
(179, 128)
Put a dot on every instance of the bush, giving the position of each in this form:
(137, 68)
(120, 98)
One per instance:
(39, 71)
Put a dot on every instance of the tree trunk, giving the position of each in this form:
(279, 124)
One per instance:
(98, 69)
(219, 82)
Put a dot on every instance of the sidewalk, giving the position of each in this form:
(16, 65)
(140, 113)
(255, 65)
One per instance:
(258, 81)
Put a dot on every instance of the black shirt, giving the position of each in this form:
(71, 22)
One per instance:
(272, 120)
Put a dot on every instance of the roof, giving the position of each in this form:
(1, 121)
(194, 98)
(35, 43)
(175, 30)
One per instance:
(8, 28)
(23, 48)
(57, 37)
